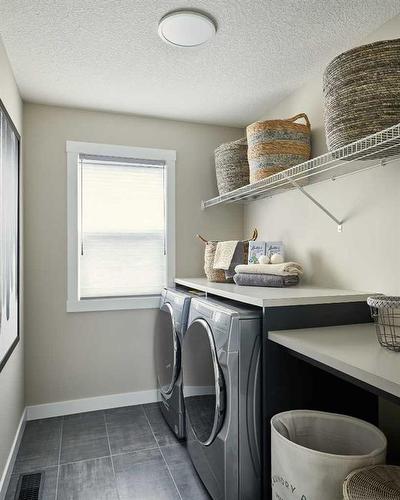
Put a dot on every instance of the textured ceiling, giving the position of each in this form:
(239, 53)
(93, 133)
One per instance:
(106, 54)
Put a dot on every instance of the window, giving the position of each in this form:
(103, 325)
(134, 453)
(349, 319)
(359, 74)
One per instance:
(120, 226)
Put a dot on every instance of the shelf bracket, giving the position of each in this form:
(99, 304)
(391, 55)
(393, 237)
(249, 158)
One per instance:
(316, 203)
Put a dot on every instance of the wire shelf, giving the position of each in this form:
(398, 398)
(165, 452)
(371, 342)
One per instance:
(371, 151)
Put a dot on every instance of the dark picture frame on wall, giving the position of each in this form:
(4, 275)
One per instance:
(10, 157)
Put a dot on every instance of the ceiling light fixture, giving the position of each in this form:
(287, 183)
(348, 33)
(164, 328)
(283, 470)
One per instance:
(186, 28)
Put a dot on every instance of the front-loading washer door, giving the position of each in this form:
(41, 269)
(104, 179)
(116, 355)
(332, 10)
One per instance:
(203, 385)
(167, 350)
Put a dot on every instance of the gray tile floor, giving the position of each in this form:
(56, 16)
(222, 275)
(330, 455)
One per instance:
(120, 454)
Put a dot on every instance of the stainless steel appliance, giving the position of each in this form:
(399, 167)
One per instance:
(171, 326)
(221, 360)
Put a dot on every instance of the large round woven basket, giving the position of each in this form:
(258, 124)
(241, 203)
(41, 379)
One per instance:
(275, 145)
(231, 165)
(377, 482)
(362, 93)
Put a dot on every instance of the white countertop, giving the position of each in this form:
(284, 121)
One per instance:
(272, 297)
(351, 349)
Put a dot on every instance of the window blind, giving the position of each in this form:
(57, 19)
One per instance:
(122, 227)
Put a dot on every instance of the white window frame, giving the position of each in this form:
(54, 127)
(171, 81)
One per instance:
(74, 149)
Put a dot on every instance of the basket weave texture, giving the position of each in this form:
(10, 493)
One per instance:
(231, 166)
(378, 482)
(218, 275)
(275, 145)
(362, 93)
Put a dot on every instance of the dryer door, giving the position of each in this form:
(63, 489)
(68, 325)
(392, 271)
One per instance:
(167, 350)
(203, 385)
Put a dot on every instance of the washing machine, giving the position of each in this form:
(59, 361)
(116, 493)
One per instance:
(221, 361)
(170, 328)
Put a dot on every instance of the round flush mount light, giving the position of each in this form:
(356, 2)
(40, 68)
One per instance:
(186, 28)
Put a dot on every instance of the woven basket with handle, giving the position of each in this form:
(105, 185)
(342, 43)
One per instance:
(377, 482)
(275, 145)
(218, 275)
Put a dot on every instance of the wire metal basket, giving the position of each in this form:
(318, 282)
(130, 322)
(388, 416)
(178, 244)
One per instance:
(385, 312)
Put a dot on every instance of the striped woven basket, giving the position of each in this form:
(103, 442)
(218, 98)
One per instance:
(231, 165)
(275, 145)
(377, 482)
(362, 93)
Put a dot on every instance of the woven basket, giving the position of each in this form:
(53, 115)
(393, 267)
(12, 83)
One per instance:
(231, 165)
(275, 145)
(362, 93)
(218, 275)
(378, 482)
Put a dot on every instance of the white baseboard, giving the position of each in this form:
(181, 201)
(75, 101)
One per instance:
(5, 478)
(90, 404)
(66, 408)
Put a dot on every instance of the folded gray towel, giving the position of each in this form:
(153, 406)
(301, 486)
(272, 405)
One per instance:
(238, 258)
(269, 280)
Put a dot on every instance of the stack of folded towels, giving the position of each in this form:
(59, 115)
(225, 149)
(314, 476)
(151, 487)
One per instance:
(271, 275)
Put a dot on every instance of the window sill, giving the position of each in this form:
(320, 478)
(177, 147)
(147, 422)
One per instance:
(114, 304)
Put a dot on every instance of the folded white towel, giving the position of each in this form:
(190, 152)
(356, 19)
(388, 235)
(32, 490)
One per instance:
(224, 254)
(284, 269)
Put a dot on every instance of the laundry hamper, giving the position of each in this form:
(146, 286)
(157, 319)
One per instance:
(231, 166)
(218, 275)
(275, 145)
(313, 452)
(378, 482)
(362, 94)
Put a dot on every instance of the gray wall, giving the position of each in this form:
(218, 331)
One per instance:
(366, 255)
(77, 355)
(12, 375)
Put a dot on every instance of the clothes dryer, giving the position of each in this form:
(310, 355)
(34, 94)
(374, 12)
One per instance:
(221, 360)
